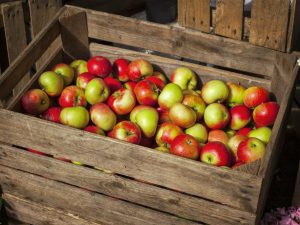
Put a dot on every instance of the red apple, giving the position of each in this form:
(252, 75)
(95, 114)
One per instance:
(182, 115)
(160, 76)
(126, 131)
(113, 84)
(146, 93)
(139, 69)
(215, 153)
(122, 101)
(72, 96)
(52, 114)
(130, 85)
(184, 78)
(51, 83)
(163, 115)
(99, 66)
(234, 142)
(250, 150)
(196, 103)
(244, 131)
(254, 96)
(265, 114)
(185, 145)
(240, 117)
(95, 130)
(83, 79)
(218, 135)
(216, 116)
(96, 91)
(120, 69)
(35, 101)
(77, 117)
(166, 133)
(103, 116)
(66, 71)
(157, 81)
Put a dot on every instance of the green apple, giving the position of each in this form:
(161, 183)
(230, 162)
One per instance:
(96, 91)
(262, 133)
(199, 132)
(77, 117)
(182, 115)
(51, 83)
(184, 78)
(236, 94)
(79, 66)
(170, 95)
(216, 116)
(103, 116)
(215, 91)
(65, 71)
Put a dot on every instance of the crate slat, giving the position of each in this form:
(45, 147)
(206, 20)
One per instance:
(296, 196)
(294, 27)
(229, 18)
(269, 20)
(194, 14)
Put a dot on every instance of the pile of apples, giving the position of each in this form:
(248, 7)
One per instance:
(222, 124)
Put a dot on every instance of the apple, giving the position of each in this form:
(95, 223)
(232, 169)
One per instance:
(196, 103)
(99, 66)
(182, 115)
(146, 118)
(185, 145)
(103, 117)
(120, 69)
(163, 149)
(65, 71)
(126, 131)
(236, 94)
(160, 76)
(77, 117)
(240, 117)
(51, 83)
(96, 91)
(52, 114)
(215, 153)
(230, 133)
(146, 93)
(216, 116)
(262, 133)
(35, 101)
(72, 96)
(83, 79)
(170, 95)
(265, 114)
(157, 81)
(251, 150)
(122, 101)
(199, 132)
(130, 85)
(191, 92)
(218, 135)
(139, 69)
(244, 131)
(214, 91)
(79, 67)
(185, 78)
(166, 133)
(37, 152)
(163, 115)
(234, 142)
(95, 130)
(113, 84)
(254, 96)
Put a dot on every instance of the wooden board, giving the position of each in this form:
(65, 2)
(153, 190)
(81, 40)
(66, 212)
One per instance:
(85, 204)
(296, 196)
(294, 27)
(194, 14)
(109, 184)
(229, 18)
(269, 21)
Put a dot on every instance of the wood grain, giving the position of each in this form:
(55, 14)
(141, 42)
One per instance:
(85, 204)
(294, 27)
(229, 18)
(194, 14)
(180, 42)
(37, 213)
(232, 188)
(138, 192)
(269, 22)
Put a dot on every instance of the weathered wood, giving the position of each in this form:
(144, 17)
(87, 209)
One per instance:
(296, 196)
(86, 204)
(251, 168)
(228, 187)
(229, 18)
(37, 213)
(180, 42)
(294, 27)
(28, 57)
(144, 194)
(169, 65)
(269, 21)
(194, 14)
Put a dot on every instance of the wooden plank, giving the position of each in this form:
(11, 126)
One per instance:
(232, 188)
(294, 27)
(181, 42)
(169, 65)
(229, 18)
(144, 194)
(194, 14)
(269, 22)
(296, 196)
(28, 57)
(83, 203)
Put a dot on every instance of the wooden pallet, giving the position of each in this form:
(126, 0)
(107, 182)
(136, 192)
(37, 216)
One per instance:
(143, 186)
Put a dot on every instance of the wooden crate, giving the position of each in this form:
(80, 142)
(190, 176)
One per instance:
(272, 24)
(136, 185)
